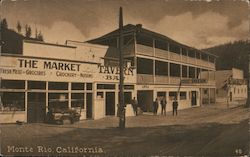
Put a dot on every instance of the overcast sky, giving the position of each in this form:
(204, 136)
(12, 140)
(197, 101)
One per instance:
(196, 23)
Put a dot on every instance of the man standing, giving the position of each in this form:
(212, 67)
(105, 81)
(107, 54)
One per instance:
(175, 106)
(155, 106)
(135, 105)
(163, 106)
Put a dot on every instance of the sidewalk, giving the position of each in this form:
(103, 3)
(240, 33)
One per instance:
(218, 113)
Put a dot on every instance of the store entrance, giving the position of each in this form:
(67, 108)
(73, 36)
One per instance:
(36, 107)
(89, 106)
(193, 98)
(145, 100)
(110, 103)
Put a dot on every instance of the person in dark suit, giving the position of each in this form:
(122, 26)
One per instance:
(175, 107)
(163, 106)
(155, 106)
(135, 105)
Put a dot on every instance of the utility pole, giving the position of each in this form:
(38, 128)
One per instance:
(248, 82)
(121, 76)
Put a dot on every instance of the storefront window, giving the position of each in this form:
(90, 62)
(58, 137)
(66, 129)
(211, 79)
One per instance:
(58, 100)
(77, 100)
(36, 85)
(89, 86)
(77, 86)
(183, 95)
(58, 86)
(172, 95)
(12, 84)
(105, 86)
(12, 101)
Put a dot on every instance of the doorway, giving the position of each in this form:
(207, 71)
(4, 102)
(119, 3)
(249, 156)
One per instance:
(110, 103)
(36, 107)
(193, 98)
(89, 106)
(231, 96)
(145, 100)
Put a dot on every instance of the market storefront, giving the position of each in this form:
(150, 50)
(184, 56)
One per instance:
(31, 86)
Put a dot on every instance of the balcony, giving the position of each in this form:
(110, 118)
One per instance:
(161, 79)
(145, 50)
(145, 79)
(129, 49)
(174, 57)
(161, 53)
(174, 80)
(164, 54)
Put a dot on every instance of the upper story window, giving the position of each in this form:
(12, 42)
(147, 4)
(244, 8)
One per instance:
(174, 48)
(161, 68)
(144, 66)
(191, 53)
(184, 71)
(161, 45)
(128, 39)
(144, 40)
(198, 55)
(175, 70)
(191, 72)
(211, 59)
(204, 57)
(184, 52)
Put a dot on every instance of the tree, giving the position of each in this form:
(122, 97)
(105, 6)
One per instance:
(19, 27)
(4, 23)
(27, 31)
(40, 36)
(36, 34)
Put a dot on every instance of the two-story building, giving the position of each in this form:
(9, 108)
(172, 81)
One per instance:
(164, 67)
(230, 86)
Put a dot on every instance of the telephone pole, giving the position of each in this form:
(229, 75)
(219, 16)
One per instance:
(121, 77)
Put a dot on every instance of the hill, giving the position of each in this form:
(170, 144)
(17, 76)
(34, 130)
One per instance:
(233, 54)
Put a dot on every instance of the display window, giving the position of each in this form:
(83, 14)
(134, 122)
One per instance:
(12, 101)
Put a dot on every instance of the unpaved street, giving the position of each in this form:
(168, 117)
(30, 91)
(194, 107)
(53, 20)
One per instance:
(209, 130)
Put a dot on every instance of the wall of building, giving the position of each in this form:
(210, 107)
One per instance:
(237, 73)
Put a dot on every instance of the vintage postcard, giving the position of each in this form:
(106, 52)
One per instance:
(124, 78)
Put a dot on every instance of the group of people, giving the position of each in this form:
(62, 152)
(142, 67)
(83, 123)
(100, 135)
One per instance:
(162, 102)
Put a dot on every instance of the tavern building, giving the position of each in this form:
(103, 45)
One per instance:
(37, 76)
(164, 67)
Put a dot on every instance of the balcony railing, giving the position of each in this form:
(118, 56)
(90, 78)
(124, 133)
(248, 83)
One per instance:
(174, 80)
(145, 50)
(174, 56)
(145, 79)
(161, 79)
(164, 54)
(129, 49)
(161, 53)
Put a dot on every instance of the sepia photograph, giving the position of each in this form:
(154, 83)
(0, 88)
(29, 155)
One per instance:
(124, 78)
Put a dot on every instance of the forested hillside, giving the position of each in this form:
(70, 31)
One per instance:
(233, 54)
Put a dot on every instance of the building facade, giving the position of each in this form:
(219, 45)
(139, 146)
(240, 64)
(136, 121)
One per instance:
(164, 68)
(44, 76)
(230, 86)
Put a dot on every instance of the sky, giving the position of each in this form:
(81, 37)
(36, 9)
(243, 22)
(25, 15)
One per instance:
(197, 23)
